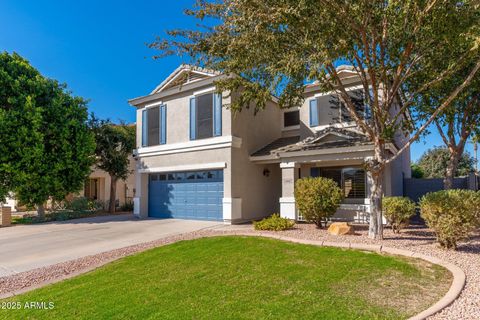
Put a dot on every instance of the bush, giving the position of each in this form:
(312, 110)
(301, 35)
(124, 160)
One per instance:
(274, 223)
(96, 205)
(80, 204)
(59, 215)
(452, 214)
(317, 199)
(127, 206)
(68, 215)
(398, 211)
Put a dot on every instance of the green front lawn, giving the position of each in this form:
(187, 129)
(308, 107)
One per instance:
(243, 278)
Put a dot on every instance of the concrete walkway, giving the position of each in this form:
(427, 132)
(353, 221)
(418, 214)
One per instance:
(27, 247)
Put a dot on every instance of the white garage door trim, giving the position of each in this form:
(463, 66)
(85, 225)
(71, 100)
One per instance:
(192, 167)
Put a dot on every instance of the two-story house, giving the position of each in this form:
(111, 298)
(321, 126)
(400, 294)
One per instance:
(198, 160)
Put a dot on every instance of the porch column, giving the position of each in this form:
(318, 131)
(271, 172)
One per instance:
(140, 200)
(287, 201)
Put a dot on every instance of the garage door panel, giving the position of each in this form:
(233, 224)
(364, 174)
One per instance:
(186, 195)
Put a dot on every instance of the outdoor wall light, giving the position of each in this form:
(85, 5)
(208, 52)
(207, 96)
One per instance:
(266, 172)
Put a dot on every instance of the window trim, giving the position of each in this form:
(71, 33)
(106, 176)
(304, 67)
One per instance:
(217, 108)
(196, 115)
(162, 139)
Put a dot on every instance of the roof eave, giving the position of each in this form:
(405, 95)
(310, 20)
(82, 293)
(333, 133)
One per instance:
(162, 94)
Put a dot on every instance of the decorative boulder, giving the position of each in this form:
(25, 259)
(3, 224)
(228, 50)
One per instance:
(340, 228)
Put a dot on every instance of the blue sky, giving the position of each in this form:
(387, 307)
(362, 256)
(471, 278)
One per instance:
(98, 48)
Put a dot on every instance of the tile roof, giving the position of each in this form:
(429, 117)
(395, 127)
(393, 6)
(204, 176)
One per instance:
(276, 145)
(346, 137)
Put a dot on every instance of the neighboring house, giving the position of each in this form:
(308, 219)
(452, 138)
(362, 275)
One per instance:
(97, 186)
(198, 160)
(11, 202)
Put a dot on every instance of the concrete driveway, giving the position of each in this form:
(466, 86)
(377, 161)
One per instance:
(27, 247)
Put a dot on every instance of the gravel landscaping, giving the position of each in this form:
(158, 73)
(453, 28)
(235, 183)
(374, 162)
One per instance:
(415, 239)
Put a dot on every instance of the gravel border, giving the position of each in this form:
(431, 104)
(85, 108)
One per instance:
(413, 242)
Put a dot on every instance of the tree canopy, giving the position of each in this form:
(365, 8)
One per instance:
(273, 47)
(459, 121)
(114, 146)
(434, 162)
(46, 148)
(417, 171)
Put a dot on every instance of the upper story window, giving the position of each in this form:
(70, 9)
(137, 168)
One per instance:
(291, 118)
(154, 125)
(330, 109)
(205, 116)
(204, 121)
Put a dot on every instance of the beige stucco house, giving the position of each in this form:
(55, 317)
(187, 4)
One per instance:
(197, 160)
(97, 186)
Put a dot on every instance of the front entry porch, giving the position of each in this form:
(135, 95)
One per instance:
(335, 153)
(349, 175)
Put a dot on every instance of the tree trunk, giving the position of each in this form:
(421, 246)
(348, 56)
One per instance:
(475, 154)
(451, 170)
(113, 194)
(41, 212)
(375, 230)
(375, 168)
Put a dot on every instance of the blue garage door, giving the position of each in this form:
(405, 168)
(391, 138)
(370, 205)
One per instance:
(186, 195)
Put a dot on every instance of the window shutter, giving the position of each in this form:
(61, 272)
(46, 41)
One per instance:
(144, 128)
(193, 118)
(315, 172)
(217, 114)
(163, 124)
(313, 113)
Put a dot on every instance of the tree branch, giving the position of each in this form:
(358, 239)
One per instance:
(442, 134)
(343, 93)
(444, 105)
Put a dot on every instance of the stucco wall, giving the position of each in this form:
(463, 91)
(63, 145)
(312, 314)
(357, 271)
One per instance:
(394, 178)
(178, 116)
(259, 193)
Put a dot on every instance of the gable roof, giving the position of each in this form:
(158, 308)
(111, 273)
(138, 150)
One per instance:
(184, 74)
(345, 72)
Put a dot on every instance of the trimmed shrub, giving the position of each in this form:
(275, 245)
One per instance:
(68, 215)
(127, 206)
(96, 205)
(398, 211)
(452, 214)
(317, 199)
(274, 223)
(81, 204)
